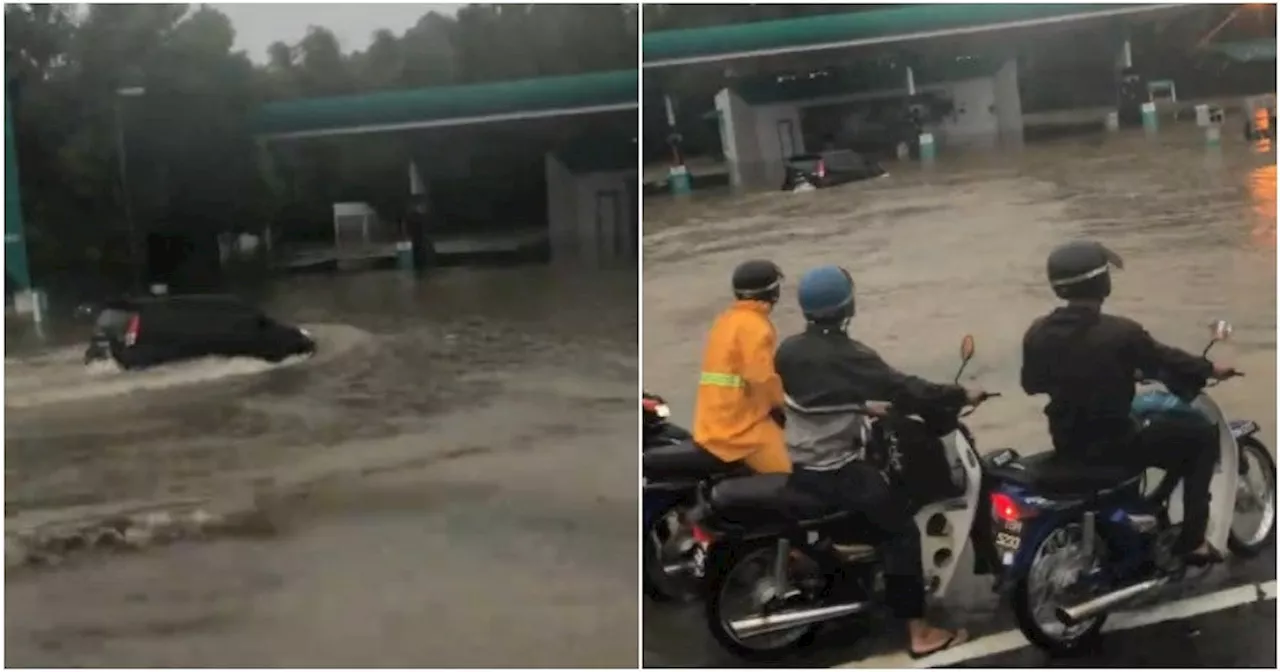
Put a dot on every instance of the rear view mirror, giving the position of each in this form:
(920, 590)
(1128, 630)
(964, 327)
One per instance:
(1221, 330)
(966, 354)
(966, 348)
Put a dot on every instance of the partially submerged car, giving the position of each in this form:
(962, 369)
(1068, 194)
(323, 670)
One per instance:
(140, 332)
(828, 169)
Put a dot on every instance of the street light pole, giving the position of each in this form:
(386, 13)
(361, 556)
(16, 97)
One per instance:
(122, 157)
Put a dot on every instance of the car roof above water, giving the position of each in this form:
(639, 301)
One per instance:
(182, 303)
(130, 302)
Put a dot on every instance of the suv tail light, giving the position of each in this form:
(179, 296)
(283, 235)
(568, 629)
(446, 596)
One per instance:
(822, 168)
(131, 331)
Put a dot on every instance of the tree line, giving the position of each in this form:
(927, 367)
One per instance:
(167, 81)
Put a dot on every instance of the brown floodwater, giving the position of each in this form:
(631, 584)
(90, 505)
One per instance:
(451, 482)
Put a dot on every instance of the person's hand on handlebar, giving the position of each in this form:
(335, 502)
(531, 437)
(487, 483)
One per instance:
(1223, 372)
(976, 396)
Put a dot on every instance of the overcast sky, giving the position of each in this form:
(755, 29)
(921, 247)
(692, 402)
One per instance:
(259, 24)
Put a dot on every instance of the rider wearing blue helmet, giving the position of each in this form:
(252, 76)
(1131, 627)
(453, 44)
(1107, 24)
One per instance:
(826, 375)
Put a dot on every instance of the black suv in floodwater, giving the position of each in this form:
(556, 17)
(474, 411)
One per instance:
(140, 332)
(829, 168)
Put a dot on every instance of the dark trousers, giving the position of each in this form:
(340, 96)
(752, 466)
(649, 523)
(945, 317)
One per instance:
(1186, 448)
(861, 488)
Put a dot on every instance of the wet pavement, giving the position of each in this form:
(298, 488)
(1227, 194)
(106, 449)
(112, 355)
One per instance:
(450, 483)
(1214, 640)
(959, 247)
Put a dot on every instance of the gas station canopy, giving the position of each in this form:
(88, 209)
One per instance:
(765, 38)
(1247, 51)
(442, 106)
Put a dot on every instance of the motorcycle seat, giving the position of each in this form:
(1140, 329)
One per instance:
(767, 499)
(682, 460)
(1048, 473)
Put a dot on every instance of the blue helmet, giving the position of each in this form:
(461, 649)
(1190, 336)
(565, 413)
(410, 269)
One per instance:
(826, 295)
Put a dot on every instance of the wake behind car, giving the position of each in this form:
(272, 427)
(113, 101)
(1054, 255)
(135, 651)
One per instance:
(141, 332)
(829, 169)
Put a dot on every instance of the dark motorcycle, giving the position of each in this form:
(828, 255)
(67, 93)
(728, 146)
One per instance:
(778, 564)
(1077, 543)
(672, 467)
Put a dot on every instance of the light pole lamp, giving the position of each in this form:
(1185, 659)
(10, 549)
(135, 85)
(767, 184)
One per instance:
(122, 156)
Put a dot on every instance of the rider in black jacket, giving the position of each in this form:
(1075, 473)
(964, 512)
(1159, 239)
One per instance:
(1086, 361)
(825, 375)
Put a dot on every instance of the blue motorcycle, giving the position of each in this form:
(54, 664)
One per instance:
(1075, 543)
(672, 467)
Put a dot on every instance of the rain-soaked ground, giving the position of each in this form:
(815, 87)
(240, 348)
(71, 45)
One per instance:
(959, 247)
(451, 482)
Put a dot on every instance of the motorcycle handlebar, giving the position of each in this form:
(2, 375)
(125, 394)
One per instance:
(884, 410)
(973, 407)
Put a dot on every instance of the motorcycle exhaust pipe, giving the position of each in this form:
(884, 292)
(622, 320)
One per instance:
(1082, 612)
(682, 567)
(786, 620)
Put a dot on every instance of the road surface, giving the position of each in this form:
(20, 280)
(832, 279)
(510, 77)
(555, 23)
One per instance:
(456, 489)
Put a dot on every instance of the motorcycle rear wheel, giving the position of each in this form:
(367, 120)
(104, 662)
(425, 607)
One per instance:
(1024, 607)
(726, 564)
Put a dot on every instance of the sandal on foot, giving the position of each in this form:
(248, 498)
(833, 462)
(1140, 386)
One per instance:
(1211, 557)
(957, 638)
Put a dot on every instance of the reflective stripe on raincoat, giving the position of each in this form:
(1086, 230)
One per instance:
(738, 387)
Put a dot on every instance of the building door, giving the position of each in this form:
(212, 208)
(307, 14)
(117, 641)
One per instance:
(631, 238)
(786, 138)
(609, 234)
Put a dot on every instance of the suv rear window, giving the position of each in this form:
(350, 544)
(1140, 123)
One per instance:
(112, 321)
(805, 162)
(844, 160)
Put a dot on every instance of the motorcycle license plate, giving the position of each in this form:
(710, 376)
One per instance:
(1008, 539)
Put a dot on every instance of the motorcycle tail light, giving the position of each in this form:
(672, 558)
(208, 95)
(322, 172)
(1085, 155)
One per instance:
(1004, 507)
(701, 536)
(655, 407)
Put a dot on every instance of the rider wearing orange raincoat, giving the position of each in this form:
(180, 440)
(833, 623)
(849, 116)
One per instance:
(739, 393)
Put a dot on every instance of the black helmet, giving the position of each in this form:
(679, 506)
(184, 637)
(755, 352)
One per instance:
(1082, 270)
(758, 279)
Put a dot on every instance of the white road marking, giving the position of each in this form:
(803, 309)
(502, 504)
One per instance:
(1013, 640)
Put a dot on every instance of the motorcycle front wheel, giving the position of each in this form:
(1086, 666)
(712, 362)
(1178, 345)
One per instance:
(1255, 493)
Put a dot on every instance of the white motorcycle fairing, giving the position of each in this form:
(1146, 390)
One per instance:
(940, 554)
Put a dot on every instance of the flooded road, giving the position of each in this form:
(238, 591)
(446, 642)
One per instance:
(452, 485)
(959, 247)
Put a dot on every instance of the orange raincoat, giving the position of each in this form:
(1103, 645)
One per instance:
(738, 388)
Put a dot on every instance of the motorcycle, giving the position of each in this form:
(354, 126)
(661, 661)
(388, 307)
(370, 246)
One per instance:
(672, 466)
(779, 564)
(1077, 544)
